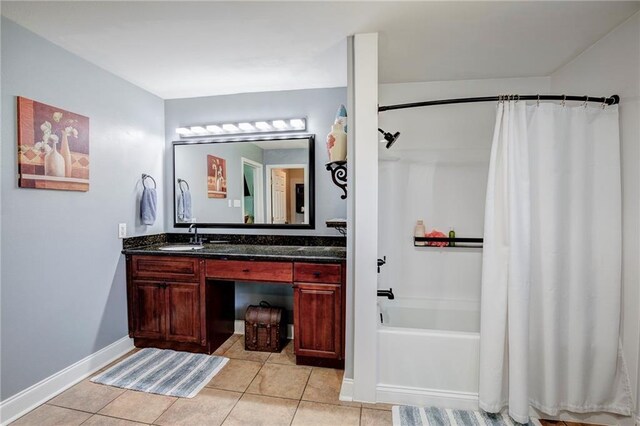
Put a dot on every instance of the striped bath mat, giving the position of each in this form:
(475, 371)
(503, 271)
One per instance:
(404, 415)
(163, 371)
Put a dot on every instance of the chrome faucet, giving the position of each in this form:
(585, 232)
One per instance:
(195, 239)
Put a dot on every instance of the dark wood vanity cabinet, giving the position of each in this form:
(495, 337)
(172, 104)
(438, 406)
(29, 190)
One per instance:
(318, 310)
(166, 310)
(318, 320)
(188, 303)
(165, 302)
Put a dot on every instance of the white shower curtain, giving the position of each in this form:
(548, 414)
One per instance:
(551, 278)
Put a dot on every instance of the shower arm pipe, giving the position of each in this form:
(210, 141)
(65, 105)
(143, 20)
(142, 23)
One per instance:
(611, 100)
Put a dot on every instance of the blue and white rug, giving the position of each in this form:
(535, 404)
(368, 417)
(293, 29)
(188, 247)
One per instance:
(164, 372)
(404, 415)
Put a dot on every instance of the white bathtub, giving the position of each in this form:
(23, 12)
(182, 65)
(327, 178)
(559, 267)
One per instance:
(428, 352)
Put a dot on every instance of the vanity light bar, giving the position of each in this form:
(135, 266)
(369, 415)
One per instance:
(245, 127)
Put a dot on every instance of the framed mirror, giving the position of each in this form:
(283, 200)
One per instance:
(259, 182)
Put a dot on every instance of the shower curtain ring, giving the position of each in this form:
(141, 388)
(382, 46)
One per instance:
(564, 98)
(538, 101)
(604, 102)
(586, 99)
(518, 99)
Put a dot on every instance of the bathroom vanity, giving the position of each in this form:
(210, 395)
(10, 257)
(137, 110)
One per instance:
(186, 300)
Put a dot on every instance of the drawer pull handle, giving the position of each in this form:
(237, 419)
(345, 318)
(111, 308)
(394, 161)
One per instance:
(245, 270)
(316, 274)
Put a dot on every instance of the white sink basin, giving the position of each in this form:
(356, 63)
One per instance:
(181, 247)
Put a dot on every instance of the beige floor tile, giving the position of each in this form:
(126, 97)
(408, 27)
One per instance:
(284, 381)
(377, 406)
(316, 414)
(257, 410)
(98, 420)
(286, 356)
(236, 375)
(138, 406)
(324, 386)
(375, 417)
(209, 407)
(236, 351)
(87, 396)
(49, 415)
(226, 345)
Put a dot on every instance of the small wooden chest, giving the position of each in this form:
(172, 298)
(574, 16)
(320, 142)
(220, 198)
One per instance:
(265, 328)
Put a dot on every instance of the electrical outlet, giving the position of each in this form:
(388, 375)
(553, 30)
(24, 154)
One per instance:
(122, 230)
(236, 203)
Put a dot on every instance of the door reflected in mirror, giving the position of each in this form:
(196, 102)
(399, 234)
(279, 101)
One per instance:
(259, 182)
(287, 194)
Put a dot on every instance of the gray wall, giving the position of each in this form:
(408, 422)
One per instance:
(63, 281)
(318, 105)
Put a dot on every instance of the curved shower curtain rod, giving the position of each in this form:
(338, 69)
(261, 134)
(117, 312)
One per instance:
(611, 100)
(392, 138)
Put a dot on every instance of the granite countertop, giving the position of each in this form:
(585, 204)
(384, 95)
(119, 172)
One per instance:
(250, 252)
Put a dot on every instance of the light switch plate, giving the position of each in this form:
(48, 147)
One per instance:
(122, 230)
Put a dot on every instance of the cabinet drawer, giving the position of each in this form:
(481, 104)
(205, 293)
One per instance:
(317, 272)
(240, 270)
(169, 268)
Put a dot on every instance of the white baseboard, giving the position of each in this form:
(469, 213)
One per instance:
(391, 394)
(28, 399)
(238, 328)
(346, 391)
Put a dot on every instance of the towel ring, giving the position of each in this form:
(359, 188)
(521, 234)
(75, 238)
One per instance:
(145, 176)
(180, 182)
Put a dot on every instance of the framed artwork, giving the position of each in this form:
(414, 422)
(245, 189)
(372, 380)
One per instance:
(216, 177)
(53, 147)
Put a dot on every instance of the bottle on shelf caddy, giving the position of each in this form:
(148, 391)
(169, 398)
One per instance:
(419, 232)
(452, 236)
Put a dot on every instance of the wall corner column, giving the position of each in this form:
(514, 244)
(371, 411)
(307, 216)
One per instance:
(362, 216)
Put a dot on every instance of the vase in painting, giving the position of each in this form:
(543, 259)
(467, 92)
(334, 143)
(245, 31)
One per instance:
(66, 155)
(54, 163)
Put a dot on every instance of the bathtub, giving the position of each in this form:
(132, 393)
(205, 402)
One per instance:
(428, 352)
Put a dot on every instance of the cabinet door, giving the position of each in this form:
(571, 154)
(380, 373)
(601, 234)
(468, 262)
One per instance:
(183, 312)
(318, 320)
(148, 310)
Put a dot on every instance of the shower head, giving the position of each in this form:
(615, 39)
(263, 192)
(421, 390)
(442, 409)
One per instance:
(390, 138)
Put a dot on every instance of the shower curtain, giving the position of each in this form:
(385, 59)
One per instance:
(551, 278)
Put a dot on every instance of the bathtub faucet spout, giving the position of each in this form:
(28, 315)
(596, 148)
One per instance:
(386, 293)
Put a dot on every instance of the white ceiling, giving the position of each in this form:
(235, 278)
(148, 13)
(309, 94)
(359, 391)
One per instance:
(187, 49)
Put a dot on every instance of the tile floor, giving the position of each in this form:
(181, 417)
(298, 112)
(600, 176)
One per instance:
(254, 388)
